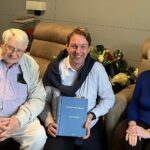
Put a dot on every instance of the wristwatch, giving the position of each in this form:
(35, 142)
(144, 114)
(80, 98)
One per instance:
(94, 116)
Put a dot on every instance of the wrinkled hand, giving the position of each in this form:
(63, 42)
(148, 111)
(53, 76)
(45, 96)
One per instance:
(52, 129)
(131, 133)
(3, 127)
(143, 133)
(134, 132)
(132, 139)
(8, 126)
(3, 123)
(87, 125)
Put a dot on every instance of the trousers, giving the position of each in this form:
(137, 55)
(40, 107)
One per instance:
(96, 141)
(30, 137)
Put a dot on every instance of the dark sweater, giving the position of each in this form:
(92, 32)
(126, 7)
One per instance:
(139, 108)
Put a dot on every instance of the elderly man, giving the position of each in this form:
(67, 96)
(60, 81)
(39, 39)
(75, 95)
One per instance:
(22, 96)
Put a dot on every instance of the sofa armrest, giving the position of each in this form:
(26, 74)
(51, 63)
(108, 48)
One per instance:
(117, 113)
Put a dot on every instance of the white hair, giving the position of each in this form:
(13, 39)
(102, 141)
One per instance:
(19, 35)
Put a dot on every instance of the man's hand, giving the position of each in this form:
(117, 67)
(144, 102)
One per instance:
(3, 127)
(3, 123)
(7, 127)
(87, 125)
(13, 125)
(52, 129)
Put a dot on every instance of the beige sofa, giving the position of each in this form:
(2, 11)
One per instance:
(118, 112)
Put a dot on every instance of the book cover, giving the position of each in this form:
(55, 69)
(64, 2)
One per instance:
(71, 116)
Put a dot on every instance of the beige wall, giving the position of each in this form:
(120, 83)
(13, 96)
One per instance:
(116, 24)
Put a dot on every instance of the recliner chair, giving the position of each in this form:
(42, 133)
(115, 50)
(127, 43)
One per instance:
(48, 40)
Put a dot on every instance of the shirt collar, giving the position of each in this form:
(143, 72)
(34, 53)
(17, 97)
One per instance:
(67, 64)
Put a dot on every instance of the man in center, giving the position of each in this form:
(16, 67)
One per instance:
(75, 73)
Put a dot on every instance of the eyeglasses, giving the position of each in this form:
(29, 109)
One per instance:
(14, 49)
(82, 46)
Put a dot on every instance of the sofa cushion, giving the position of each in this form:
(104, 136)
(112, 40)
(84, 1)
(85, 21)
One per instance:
(43, 63)
(45, 49)
(44, 52)
(53, 32)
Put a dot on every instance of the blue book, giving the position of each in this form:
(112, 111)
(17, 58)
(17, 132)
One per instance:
(71, 116)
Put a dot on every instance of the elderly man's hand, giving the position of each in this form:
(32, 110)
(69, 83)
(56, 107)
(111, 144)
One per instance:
(8, 126)
(3, 127)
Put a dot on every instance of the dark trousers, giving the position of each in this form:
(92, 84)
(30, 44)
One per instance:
(9, 144)
(96, 141)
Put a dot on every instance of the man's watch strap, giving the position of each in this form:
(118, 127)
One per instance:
(94, 116)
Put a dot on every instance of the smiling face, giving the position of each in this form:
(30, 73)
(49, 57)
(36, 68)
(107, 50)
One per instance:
(12, 51)
(78, 48)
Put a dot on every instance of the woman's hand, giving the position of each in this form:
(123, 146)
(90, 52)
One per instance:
(143, 133)
(131, 133)
(52, 129)
(134, 132)
(132, 139)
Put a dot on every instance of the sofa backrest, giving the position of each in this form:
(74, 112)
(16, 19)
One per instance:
(145, 60)
(48, 40)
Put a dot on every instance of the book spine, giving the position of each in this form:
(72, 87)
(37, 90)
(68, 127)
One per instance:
(58, 111)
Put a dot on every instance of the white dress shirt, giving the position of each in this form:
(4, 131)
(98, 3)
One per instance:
(96, 84)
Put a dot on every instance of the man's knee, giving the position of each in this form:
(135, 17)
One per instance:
(32, 138)
(39, 136)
